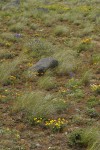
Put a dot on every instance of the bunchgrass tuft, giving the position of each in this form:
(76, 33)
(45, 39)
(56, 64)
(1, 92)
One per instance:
(67, 61)
(61, 31)
(47, 82)
(39, 104)
(7, 68)
(17, 27)
(38, 48)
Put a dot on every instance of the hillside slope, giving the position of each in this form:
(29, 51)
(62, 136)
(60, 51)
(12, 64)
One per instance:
(59, 108)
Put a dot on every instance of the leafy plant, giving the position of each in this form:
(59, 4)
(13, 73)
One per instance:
(92, 113)
(75, 138)
(56, 125)
(96, 58)
(87, 138)
(84, 45)
(73, 83)
(93, 101)
(95, 88)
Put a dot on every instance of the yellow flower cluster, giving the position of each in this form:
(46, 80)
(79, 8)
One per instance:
(37, 120)
(88, 40)
(29, 64)
(8, 44)
(95, 87)
(37, 34)
(62, 90)
(12, 77)
(56, 123)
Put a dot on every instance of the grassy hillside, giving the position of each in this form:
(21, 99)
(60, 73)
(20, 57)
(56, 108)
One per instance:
(61, 108)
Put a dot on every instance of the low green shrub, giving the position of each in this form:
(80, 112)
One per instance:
(93, 101)
(85, 138)
(91, 112)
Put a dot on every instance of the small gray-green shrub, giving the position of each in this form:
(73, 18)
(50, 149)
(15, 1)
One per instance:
(85, 138)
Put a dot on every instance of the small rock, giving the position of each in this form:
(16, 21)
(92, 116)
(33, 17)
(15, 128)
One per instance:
(66, 133)
(38, 145)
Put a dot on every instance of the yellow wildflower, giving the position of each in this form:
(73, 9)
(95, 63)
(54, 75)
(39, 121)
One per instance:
(88, 40)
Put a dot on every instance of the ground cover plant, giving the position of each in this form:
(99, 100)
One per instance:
(59, 108)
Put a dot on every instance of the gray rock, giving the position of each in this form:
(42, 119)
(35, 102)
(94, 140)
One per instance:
(44, 64)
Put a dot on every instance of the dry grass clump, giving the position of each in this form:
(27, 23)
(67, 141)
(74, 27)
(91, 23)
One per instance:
(61, 30)
(39, 47)
(7, 68)
(49, 20)
(39, 104)
(17, 27)
(9, 37)
(67, 61)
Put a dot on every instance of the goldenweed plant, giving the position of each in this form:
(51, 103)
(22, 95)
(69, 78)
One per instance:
(95, 88)
(56, 125)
